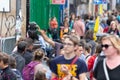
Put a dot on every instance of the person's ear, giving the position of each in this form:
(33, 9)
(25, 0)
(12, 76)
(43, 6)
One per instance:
(76, 47)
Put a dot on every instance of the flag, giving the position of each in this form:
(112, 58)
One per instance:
(96, 27)
(101, 9)
(94, 37)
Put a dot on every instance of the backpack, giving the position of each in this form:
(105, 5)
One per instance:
(90, 26)
(118, 18)
(28, 71)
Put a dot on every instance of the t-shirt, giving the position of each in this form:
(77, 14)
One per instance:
(77, 68)
(114, 74)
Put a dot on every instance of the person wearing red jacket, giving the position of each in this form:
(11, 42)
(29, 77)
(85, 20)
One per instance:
(92, 60)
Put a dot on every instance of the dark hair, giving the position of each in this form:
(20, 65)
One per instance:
(32, 30)
(21, 46)
(89, 34)
(82, 43)
(12, 62)
(4, 57)
(32, 26)
(33, 34)
(79, 17)
(88, 47)
(71, 16)
(29, 42)
(98, 49)
(91, 18)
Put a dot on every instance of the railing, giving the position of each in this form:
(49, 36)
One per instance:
(7, 44)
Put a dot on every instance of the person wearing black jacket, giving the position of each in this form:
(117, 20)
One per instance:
(6, 73)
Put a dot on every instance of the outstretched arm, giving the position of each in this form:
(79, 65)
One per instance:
(46, 38)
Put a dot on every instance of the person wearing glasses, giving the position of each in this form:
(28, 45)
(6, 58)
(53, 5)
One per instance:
(63, 67)
(111, 48)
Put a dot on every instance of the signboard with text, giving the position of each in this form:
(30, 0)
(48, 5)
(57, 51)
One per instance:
(58, 1)
(100, 1)
(4, 5)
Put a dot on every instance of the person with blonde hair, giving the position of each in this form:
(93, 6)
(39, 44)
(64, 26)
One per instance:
(113, 29)
(109, 68)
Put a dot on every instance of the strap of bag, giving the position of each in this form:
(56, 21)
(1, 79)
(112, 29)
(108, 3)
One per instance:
(73, 61)
(105, 70)
(87, 56)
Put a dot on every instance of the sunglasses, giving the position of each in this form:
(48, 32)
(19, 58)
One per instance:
(105, 45)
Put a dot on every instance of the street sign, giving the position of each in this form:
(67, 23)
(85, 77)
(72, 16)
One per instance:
(97, 1)
(58, 1)
(104, 1)
(100, 1)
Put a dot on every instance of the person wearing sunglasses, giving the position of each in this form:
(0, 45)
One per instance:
(111, 48)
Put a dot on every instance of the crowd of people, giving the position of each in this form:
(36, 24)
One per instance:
(71, 53)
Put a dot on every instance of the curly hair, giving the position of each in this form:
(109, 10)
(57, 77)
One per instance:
(38, 54)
